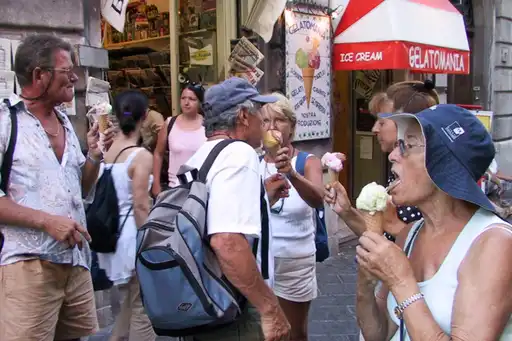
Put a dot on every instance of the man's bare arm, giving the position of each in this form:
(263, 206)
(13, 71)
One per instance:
(239, 266)
(14, 214)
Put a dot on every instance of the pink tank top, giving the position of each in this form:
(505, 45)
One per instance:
(182, 145)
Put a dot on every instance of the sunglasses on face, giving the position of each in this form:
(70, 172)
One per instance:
(194, 85)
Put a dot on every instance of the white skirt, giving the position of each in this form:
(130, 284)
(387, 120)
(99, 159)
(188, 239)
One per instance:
(120, 266)
(295, 278)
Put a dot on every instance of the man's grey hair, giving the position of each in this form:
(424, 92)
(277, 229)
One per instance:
(226, 121)
(37, 51)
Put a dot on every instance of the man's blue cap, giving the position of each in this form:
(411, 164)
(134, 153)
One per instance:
(230, 93)
(459, 150)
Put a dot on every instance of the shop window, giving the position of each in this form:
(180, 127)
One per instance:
(139, 56)
(197, 41)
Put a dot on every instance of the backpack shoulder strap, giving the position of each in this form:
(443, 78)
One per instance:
(121, 152)
(205, 168)
(9, 152)
(300, 165)
(265, 234)
(169, 128)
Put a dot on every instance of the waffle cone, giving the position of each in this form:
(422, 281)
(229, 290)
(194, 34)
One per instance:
(375, 222)
(308, 75)
(333, 175)
(102, 123)
(273, 150)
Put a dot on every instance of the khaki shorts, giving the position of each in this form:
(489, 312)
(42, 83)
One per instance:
(248, 328)
(43, 301)
(295, 278)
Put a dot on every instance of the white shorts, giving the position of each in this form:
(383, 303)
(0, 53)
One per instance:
(295, 278)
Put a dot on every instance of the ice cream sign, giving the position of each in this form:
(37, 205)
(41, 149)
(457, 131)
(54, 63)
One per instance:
(308, 74)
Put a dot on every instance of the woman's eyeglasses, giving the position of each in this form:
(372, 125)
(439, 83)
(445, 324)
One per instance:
(406, 147)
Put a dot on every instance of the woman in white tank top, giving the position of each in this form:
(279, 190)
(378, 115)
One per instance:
(293, 219)
(131, 171)
(455, 278)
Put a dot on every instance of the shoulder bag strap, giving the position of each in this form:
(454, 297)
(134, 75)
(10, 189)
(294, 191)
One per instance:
(9, 152)
(407, 251)
(169, 128)
(205, 168)
(265, 234)
(122, 150)
(130, 210)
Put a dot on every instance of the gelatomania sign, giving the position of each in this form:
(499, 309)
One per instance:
(400, 55)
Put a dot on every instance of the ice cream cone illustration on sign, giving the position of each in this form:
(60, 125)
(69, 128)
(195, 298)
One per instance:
(308, 60)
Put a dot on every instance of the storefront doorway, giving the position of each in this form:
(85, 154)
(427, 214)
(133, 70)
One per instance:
(167, 43)
(369, 163)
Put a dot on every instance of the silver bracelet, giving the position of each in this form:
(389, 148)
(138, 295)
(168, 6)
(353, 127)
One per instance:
(94, 162)
(399, 309)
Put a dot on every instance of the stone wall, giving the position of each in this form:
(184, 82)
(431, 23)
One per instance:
(502, 84)
(76, 21)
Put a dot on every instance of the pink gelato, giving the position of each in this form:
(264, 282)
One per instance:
(333, 161)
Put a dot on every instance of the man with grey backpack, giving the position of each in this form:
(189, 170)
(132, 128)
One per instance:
(204, 259)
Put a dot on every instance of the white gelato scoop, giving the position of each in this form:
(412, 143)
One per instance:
(373, 198)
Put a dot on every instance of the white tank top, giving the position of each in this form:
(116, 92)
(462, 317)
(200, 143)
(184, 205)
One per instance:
(292, 221)
(119, 266)
(439, 291)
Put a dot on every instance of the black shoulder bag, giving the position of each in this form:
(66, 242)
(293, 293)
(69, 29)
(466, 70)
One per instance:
(8, 156)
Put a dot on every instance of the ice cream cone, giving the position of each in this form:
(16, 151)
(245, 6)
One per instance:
(333, 175)
(272, 142)
(273, 150)
(308, 75)
(374, 222)
(102, 123)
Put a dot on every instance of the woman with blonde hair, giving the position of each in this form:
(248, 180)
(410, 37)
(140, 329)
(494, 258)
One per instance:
(407, 97)
(293, 218)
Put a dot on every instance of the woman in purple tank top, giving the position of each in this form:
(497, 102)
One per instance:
(179, 139)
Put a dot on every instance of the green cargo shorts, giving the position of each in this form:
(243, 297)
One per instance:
(248, 328)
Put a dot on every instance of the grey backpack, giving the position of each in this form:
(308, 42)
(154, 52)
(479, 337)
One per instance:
(182, 286)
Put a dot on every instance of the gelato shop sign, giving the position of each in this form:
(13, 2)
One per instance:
(308, 74)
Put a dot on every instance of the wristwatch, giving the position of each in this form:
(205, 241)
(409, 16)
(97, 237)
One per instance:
(399, 309)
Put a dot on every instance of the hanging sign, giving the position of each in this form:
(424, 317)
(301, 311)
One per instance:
(308, 73)
(485, 117)
(114, 11)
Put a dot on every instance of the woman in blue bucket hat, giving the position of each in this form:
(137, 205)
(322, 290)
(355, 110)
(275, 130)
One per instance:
(453, 281)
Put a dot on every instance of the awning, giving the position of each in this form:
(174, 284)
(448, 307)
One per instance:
(420, 35)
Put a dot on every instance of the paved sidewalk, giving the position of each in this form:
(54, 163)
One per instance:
(332, 316)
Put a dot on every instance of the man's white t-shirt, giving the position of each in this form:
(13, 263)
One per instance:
(234, 186)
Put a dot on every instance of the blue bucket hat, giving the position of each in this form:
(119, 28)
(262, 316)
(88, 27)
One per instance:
(459, 150)
(230, 93)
